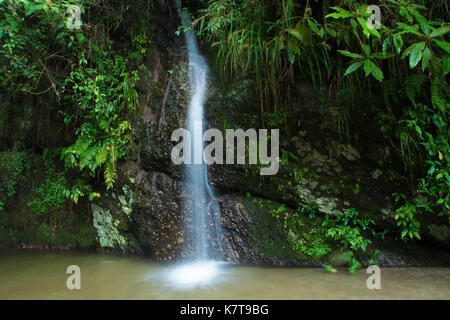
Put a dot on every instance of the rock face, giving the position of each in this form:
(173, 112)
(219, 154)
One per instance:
(157, 216)
(157, 211)
(159, 219)
(315, 171)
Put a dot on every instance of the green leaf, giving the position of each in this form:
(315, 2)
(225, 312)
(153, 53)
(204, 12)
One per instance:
(371, 68)
(32, 8)
(424, 24)
(409, 29)
(419, 131)
(363, 24)
(386, 43)
(336, 15)
(382, 55)
(295, 33)
(439, 32)
(291, 57)
(353, 67)
(350, 54)
(414, 58)
(340, 14)
(404, 232)
(398, 43)
(377, 73)
(329, 268)
(446, 64)
(443, 44)
(320, 32)
(80, 37)
(415, 53)
(331, 32)
(366, 49)
(426, 57)
(60, 35)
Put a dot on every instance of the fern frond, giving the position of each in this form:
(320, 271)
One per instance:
(110, 175)
(87, 158)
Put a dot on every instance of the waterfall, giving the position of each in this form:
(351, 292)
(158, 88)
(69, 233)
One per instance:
(202, 211)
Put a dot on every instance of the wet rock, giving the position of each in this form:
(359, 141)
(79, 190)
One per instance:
(157, 217)
(327, 205)
(376, 173)
(349, 152)
(108, 234)
(440, 232)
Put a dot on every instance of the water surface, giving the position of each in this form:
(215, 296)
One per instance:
(41, 275)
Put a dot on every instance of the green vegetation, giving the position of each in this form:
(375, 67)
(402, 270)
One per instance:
(14, 164)
(69, 95)
(406, 62)
(91, 83)
(311, 235)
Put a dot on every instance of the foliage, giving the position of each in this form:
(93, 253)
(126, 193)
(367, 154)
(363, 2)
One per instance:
(90, 85)
(85, 81)
(406, 219)
(249, 38)
(104, 96)
(405, 62)
(48, 220)
(78, 88)
(13, 165)
(348, 230)
(316, 237)
(50, 195)
(29, 32)
(310, 242)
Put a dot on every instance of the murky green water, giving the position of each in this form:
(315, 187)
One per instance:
(42, 275)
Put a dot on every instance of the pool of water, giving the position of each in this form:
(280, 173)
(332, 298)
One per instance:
(42, 275)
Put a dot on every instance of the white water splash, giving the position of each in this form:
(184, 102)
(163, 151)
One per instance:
(196, 274)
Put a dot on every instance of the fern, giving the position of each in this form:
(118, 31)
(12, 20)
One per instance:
(413, 85)
(105, 104)
(102, 155)
(88, 158)
(110, 175)
(439, 92)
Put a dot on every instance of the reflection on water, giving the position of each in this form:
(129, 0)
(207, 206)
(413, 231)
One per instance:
(41, 275)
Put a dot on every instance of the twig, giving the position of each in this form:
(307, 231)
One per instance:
(166, 94)
(50, 78)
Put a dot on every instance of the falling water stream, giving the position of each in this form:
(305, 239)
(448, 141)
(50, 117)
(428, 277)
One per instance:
(200, 204)
(202, 213)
